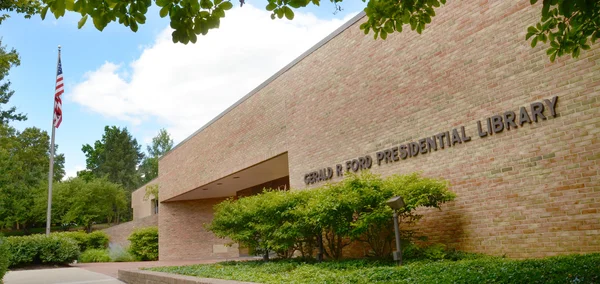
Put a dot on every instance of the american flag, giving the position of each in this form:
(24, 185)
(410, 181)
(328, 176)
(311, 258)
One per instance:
(57, 93)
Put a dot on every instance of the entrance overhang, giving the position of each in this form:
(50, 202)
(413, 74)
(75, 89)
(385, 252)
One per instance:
(271, 169)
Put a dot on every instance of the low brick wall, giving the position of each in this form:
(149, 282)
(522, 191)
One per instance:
(135, 276)
(119, 233)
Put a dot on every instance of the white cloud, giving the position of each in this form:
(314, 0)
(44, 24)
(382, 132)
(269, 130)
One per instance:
(72, 172)
(185, 86)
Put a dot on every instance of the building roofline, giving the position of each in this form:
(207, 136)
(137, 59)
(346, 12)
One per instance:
(331, 36)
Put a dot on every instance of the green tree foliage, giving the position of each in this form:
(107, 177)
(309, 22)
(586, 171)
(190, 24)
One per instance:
(24, 159)
(8, 59)
(569, 24)
(27, 7)
(116, 156)
(329, 217)
(81, 202)
(161, 144)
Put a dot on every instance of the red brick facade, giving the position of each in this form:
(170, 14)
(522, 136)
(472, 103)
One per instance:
(530, 191)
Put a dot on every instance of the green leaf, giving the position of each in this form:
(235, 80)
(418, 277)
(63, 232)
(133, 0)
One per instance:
(383, 34)
(279, 13)
(164, 11)
(133, 26)
(534, 42)
(532, 30)
(576, 52)
(271, 6)
(82, 22)
(297, 3)
(162, 3)
(533, 1)
(98, 23)
(289, 14)
(44, 11)
(226, 6)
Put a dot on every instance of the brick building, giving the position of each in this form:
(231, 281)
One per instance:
(468, 101)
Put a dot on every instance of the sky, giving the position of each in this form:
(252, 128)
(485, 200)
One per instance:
(145, 82)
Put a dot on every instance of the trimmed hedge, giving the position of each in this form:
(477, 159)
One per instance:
(144, 243)
(94, 240)
(41, 249)
(4, 257)
(563, 269)
(94, 255)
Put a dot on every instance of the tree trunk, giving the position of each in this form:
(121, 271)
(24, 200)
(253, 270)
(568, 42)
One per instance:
(320, 242)
(266, 255)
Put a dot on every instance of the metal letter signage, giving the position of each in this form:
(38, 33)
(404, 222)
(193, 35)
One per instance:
(488, 127)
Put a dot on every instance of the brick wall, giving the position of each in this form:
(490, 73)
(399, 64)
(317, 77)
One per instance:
(182, 235)
(530, 191)
(118, 234)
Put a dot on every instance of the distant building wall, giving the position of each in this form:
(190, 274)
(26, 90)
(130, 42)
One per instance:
(142, 207)
(118, 234)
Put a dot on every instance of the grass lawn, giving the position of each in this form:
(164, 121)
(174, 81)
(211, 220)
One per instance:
(563, 269)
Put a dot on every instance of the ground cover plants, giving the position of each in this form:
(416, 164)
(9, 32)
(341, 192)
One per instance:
(482, 269)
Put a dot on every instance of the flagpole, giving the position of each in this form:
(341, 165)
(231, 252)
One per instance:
(51, 171)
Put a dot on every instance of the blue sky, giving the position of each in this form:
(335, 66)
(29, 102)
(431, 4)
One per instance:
(143, 81)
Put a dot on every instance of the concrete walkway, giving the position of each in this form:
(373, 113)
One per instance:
(71, 275)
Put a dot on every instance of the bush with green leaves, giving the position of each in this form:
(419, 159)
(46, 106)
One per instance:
(94, 240)
(328, 218)
(119, 254)
(97, 240)
(94, 255)
(144, 243)
(4, 257)
(41, 249)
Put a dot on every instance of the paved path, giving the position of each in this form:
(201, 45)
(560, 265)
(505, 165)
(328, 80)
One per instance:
(71, 275)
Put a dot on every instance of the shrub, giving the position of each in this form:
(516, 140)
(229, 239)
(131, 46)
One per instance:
(94, 255)
(97, 240)
(38, 249)
(120, 254)
(85, 241)
(144, 243)
(329, 217)
(4, 257)
(80, 237)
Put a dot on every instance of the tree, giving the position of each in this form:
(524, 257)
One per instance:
(8, 59)
(568, 24)
(161, 144)
(24, 158)
(27, 7)
(81, 202)
(116, 156)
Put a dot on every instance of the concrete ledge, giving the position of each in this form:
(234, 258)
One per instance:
(136, 276)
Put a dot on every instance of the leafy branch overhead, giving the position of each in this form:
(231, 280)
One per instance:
(568, 25)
